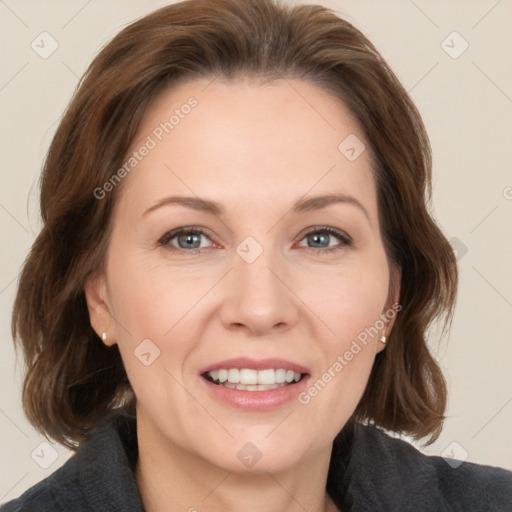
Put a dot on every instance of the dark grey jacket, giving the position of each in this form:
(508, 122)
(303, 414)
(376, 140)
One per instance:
(369, 471)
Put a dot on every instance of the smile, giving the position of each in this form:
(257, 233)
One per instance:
(255, 384)
(247, 379)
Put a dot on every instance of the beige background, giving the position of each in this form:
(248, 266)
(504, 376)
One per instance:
(466, 103)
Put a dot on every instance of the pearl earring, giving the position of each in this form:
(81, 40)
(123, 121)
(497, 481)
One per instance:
(383, 339)
(104, 336)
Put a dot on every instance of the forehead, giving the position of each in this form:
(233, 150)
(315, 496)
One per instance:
(240, 141)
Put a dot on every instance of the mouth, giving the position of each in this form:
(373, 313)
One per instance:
(250, 379)
(255, 384)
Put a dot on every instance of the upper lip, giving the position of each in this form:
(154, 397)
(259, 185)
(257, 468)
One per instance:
(255, 364)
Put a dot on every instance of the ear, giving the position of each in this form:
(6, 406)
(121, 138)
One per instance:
(100, 314)
(392, 306)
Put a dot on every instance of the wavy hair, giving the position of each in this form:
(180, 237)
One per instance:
(72, 379)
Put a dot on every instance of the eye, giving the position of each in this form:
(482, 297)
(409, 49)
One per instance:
(326, 239)
(186, 239)
(193, 240)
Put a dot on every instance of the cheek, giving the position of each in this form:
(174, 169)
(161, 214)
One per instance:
(348, 300)
(161, 304)
(349, 303)
(151, 299)
(156, 331)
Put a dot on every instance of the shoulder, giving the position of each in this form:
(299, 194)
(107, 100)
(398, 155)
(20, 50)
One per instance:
(99, 476)
(57, 493)
(400, 472)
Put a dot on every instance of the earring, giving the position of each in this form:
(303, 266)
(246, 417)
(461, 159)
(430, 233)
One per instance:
(383, 339)
(104, 336)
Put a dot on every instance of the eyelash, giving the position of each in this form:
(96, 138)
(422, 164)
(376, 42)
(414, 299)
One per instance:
(342, 237)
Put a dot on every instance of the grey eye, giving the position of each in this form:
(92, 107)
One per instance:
(318, 240)
(189, 241)
(186, 239)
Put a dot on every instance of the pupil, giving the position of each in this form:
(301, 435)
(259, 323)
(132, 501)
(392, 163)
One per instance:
(190, 240)
(319, 240)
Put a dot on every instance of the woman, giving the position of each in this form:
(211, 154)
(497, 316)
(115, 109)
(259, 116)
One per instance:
(227, 304)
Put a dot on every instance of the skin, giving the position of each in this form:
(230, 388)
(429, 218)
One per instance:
(255, 149)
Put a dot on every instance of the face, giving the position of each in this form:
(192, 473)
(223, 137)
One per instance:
(246, 245)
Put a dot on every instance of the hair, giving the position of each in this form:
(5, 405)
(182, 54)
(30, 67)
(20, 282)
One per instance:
(72, 379)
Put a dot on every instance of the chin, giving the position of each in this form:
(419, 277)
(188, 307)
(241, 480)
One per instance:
(257, 454)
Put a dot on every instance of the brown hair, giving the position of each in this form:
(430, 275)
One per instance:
(72, 378)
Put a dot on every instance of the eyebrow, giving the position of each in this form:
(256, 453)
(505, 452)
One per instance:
(318, 202)
(301, 206)
(196, 203)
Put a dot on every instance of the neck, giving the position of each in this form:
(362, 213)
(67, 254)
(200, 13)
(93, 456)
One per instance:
(172, 478)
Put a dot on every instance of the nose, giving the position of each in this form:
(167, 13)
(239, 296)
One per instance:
(258, 298)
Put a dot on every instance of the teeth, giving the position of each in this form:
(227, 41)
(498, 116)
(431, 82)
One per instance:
(234, 376)
(248, 376)
(280, 376)
(266, 377)
(254, 380)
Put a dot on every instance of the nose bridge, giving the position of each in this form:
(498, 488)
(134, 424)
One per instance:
(257, 281)
(255, 295)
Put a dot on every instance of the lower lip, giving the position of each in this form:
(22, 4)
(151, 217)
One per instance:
(256, 400)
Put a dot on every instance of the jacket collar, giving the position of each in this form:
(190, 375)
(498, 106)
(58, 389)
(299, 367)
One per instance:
(368, 470)
(371, 471)
(110, 455)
